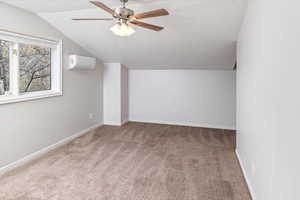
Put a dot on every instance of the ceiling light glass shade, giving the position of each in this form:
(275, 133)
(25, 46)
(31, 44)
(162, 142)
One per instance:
(122, 29)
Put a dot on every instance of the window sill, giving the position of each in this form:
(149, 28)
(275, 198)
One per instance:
(28, 97)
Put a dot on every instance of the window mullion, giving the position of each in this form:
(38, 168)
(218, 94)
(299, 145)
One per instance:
(11, 63)
(15, 69)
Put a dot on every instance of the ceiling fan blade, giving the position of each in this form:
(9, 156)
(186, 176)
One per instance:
(94, 19)
(154, 13)
(103, 6)
(148, 26)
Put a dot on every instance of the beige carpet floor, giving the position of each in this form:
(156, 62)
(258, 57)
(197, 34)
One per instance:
(135, 162)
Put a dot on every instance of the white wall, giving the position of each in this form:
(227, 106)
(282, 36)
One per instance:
(114, 94)
(27, 127)
(268, 99)
(187, 97)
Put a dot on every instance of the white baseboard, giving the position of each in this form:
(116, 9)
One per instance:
(115, 123)
(112, 124)
(45, 150)
(185, 124)
(251, 190)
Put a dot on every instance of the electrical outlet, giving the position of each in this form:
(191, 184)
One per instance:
(91, 116)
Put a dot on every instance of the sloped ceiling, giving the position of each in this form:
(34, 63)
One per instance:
(198, 33)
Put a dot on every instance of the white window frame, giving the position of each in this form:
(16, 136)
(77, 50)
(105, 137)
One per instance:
(56, 67)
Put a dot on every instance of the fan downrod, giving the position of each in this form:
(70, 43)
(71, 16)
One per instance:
(124, 2)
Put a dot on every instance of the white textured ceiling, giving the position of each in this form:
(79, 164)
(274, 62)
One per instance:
(198, 33)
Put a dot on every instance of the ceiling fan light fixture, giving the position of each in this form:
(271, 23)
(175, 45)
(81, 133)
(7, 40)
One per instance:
(122, 29)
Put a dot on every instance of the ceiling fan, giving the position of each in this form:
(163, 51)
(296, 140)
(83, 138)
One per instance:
(125, 16)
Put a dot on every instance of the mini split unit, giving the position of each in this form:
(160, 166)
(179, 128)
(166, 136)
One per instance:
(81, 62)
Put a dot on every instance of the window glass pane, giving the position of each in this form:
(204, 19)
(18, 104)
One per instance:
(35, 68)
(4, 67)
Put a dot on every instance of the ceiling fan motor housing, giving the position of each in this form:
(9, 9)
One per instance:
(124, 12)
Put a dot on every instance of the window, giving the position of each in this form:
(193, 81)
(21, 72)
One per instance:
(30, 67)
(4, 67)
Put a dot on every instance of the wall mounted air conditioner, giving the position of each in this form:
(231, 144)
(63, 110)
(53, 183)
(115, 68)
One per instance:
(81, 62)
